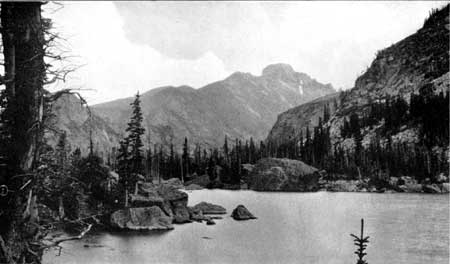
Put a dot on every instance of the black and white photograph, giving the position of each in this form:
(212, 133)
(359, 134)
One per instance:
(240, 132)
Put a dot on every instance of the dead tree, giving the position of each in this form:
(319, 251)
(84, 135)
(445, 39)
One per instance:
(23, 49)
(27, 39)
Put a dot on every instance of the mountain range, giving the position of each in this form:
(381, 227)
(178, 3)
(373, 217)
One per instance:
(240, 106)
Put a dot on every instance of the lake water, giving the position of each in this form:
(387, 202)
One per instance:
(291, 228)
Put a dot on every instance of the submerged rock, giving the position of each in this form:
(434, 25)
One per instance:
(209, 208)
(241, 213)
(210, 222)
(411, 188)
(143, 218)
(193, 187)
(270, 174)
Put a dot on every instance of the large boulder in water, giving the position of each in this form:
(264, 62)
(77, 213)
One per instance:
(271, 174)
(143, 218)
(209, 208)
(241, 213)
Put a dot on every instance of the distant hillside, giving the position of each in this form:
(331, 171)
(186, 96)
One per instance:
(240, 106)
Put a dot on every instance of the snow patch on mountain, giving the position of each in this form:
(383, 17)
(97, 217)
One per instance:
(300, 87)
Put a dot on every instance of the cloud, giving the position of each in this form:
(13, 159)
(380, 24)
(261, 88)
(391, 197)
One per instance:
(114, 66)
(130, 46)
(332, 41)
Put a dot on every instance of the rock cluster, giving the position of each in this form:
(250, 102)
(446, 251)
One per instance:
(158, 206)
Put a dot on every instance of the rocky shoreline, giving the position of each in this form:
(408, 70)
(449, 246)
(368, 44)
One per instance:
(285, 175)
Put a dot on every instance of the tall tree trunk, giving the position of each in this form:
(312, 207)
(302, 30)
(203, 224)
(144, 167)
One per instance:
(23, 50)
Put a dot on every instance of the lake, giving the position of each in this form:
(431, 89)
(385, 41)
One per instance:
(291, 228)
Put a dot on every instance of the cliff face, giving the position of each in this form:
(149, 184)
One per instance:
(402, 69)
(422, 59)
(289, 124)
(407, 65)
(72, 117)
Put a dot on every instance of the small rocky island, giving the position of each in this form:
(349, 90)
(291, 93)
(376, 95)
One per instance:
(159, 206)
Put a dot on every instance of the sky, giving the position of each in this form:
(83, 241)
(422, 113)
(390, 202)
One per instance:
(125, 47)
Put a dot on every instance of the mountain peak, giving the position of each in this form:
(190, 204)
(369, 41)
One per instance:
(278, 69)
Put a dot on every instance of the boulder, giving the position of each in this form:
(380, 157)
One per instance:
(209, 208)
(142, 218)
(406, 180)
(180, 214)
(445, 187)
(166, 196)
(431, 188)
(202, 180)
(210, 222)
(393, 181)
(271, 174)
(241, 213)
(441, 178)
(177, 201)
(196, 215)
(174, 182)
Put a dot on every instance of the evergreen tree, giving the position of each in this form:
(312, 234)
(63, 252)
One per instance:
(185, 159)
(135, 132)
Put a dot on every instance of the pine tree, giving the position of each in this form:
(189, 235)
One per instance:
(185, 160)
(135, 132)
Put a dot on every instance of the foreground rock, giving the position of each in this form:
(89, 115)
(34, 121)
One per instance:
(270, 174)
(209, 208)
(143, 218)
(241, 213)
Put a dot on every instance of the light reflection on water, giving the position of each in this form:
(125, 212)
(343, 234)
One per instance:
(291, 228)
